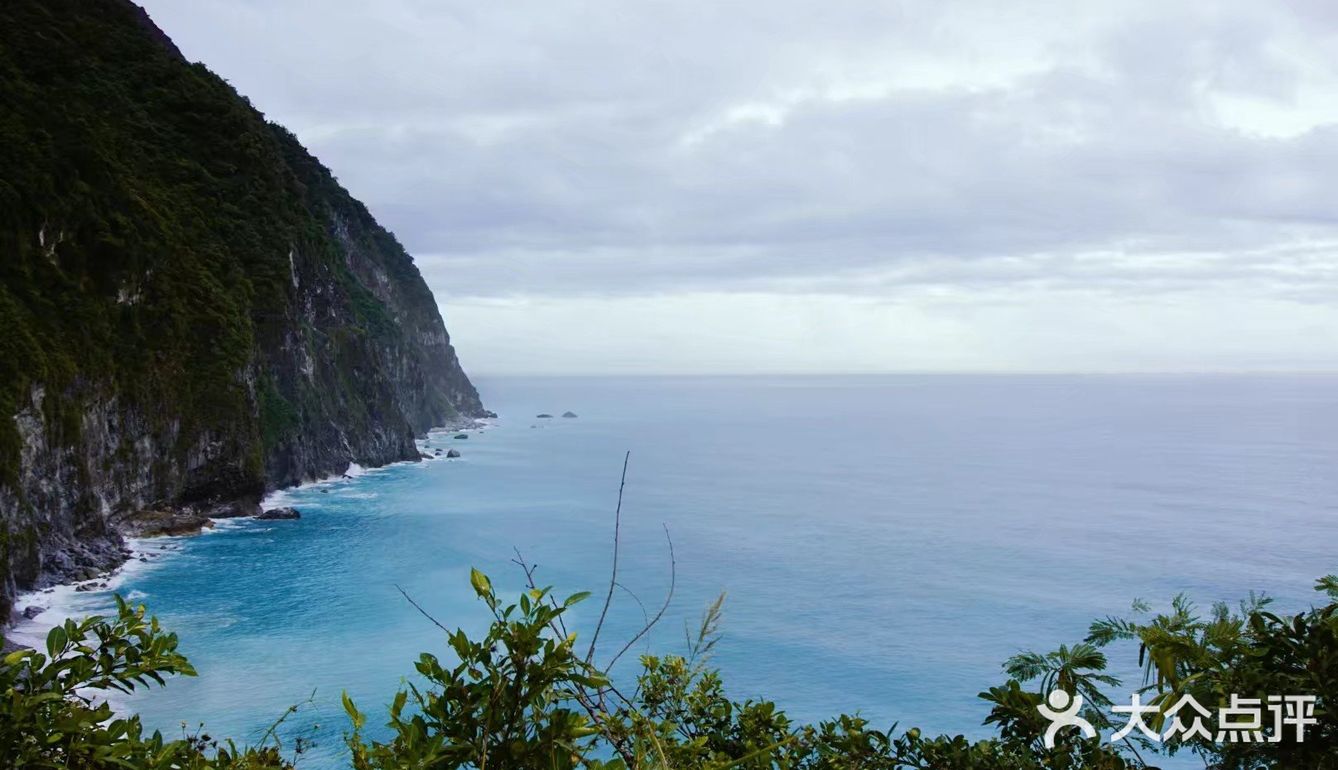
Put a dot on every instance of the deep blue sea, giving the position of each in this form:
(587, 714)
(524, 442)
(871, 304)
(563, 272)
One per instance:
(885, 541)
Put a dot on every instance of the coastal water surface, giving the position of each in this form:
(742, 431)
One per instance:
(885, 542)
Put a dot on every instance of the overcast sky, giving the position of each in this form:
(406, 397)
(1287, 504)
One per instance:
(828, 185)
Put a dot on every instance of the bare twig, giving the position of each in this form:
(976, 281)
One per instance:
(595, 701)
(420, 609)
(669, 596)
(613, 576)
(645, 616)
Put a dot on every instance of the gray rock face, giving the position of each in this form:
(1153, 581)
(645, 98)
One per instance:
(343, 355)
(279, 514)
(453, 453)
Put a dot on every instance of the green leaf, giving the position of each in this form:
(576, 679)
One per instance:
(354, 715)
(482, 585)
(55, 641)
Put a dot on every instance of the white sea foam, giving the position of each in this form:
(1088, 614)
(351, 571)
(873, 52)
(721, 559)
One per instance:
(62, 602)
(284, 497)
(281, 498)
(66, 601)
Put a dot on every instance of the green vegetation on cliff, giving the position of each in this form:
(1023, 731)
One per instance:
(134, 251)
(191, 307)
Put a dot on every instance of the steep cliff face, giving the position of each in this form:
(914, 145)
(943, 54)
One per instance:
(192, 309)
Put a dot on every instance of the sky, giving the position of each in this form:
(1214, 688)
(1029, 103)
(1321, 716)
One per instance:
(739, 186)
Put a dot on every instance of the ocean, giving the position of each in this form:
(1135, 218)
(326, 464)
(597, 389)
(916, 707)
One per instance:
(885, 542)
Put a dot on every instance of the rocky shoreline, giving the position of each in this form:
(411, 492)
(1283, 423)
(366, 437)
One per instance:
(89, 563)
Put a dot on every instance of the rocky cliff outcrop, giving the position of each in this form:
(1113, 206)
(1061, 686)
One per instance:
(192, 309)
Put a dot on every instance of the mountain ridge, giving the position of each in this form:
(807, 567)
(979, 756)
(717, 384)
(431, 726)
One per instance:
(193, 310)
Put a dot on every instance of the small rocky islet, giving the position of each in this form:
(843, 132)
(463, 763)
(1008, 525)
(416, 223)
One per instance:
(280, 514)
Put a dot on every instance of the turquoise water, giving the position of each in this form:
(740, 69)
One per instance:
(886, 542)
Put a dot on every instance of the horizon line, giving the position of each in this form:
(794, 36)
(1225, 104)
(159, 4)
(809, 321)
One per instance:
(933, 373)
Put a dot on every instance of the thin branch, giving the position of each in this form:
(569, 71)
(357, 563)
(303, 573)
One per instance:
(645, 616)
(558, 625)
(420, 609)
(600, 716)
(613, 576)
(673, 579)
(273, 731)
(593, 701)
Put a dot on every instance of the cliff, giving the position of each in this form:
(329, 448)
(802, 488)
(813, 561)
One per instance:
(192, 309)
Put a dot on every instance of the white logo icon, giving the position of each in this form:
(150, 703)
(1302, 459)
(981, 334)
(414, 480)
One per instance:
(1063, 712)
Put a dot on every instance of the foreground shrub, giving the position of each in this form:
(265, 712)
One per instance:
(54, 712)
(523, 697)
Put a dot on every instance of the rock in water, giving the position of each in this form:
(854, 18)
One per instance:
(462, 435)
(159, 523)
(544, 416)
(274, 514)
(231, 509)
(453, 453)
(32, 611)
(569, 415)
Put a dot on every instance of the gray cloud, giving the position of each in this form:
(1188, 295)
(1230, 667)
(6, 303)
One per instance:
(871, 149)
